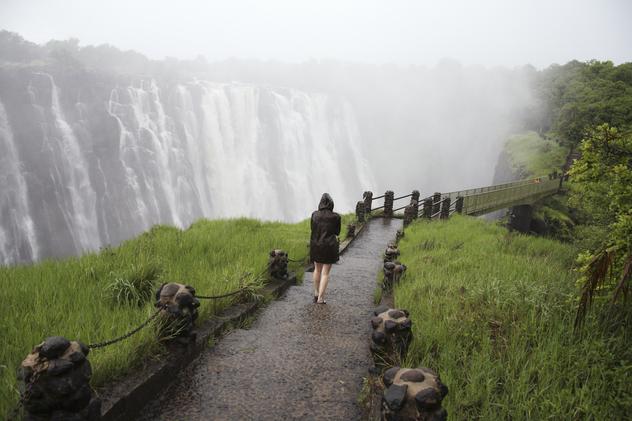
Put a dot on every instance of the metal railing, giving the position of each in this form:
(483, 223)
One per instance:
(484, 200)
(475, 201)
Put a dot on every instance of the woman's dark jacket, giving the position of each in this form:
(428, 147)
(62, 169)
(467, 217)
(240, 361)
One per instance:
(323, 246)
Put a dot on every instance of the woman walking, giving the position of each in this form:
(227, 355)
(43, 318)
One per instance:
(323, 245)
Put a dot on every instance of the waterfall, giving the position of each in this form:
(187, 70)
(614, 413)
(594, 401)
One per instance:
(147, 153)
(238, 151)
(18, 242)
(73, 190)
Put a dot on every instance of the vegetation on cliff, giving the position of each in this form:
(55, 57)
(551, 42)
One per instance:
(585, 108)
(493, 312)
(602, 191)
(531, 155)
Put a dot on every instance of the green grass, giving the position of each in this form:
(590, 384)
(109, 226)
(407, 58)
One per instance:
(493, 312)
(345, 220)
(101, 296)
(531, 156)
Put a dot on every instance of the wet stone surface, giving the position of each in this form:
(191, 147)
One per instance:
(298, 360)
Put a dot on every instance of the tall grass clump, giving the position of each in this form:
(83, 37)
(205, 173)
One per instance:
(135, 286)
(493, 312)
(102, 295)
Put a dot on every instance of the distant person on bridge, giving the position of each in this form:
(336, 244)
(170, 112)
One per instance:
(323, 245)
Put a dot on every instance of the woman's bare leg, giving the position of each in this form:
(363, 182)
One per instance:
(324, 280)
(316, 277)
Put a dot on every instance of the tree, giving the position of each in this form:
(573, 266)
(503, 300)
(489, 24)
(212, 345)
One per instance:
(602, 189)
(597, 93)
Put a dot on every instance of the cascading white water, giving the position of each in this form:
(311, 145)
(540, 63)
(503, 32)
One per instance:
(174, 153)
(74, 192)
(240, 151)
(17, 233)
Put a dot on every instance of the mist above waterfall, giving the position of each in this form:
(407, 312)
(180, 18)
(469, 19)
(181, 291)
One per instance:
(102, 144)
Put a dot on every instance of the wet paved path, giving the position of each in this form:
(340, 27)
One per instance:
(298, 360)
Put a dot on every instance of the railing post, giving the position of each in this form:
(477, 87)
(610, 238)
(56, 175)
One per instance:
(388, 203)
(459, 204)
(178, 304)
(445, 208)
(351, 230)
(410, 213)
(414, 201)
(408, 391)
(436, 203)
(56, 376)
(360, 211)
(368, 199)
(428, 208)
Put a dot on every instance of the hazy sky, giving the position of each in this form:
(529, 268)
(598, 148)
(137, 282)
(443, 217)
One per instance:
(488, 32)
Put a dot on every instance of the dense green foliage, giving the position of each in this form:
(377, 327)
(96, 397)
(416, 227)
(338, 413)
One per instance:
(602, 190)
(588, 108)
(576, 97)
(103, 295)
(493, 311)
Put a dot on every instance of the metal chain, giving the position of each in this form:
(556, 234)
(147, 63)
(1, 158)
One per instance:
(28, 390)
(216, 297)
(229, 294)
(128, 334)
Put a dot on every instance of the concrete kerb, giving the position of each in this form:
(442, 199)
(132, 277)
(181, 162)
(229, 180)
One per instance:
(125, 398)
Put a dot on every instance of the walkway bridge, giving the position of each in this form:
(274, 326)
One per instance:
(475, 202)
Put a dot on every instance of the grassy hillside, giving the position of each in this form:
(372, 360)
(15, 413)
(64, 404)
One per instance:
(531, 155)
(76, 298)
(493, 312)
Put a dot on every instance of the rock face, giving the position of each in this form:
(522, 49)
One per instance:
(391, 335)
(56, 376)
(413, 395)
(179, 310)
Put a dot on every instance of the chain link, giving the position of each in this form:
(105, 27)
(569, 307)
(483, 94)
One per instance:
(216, 297)
(28, 390)
(128, 334)
(229, 294)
